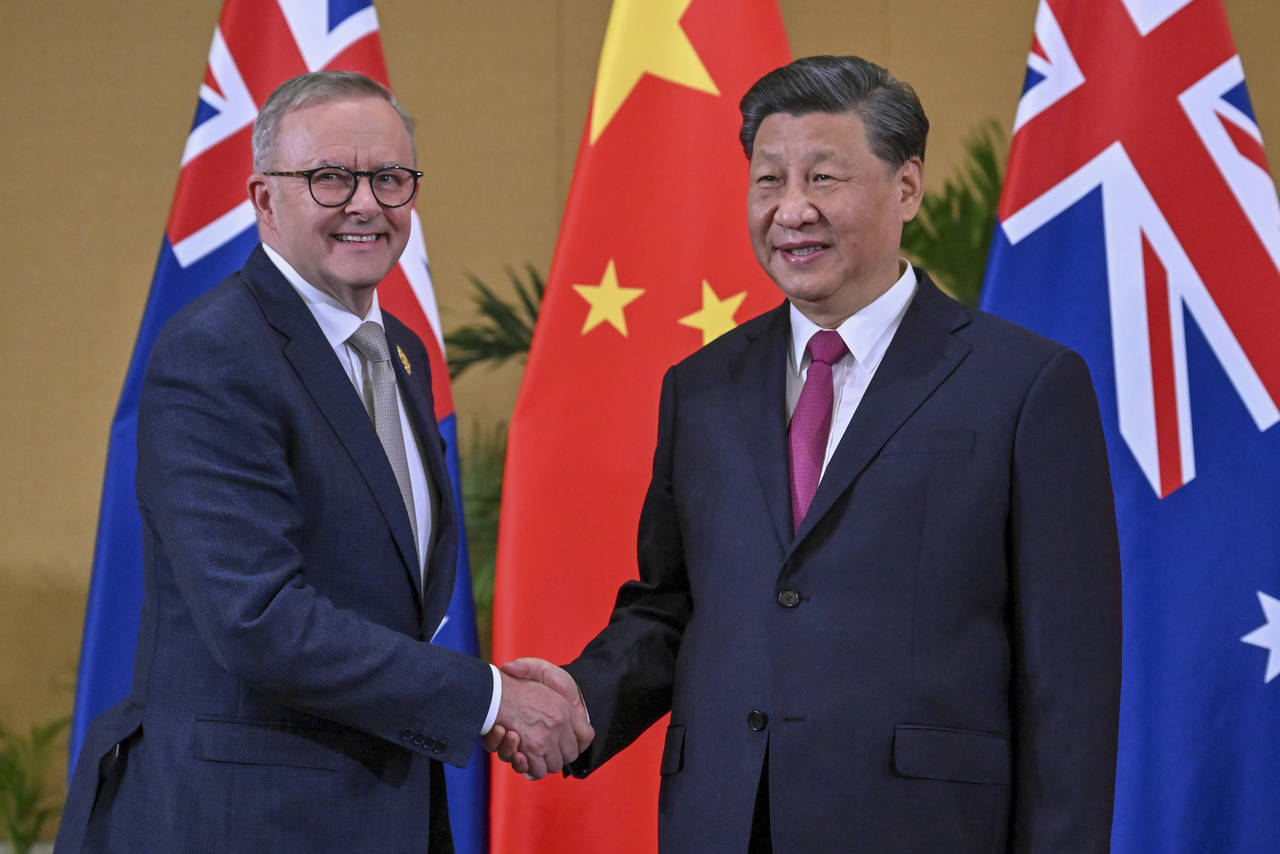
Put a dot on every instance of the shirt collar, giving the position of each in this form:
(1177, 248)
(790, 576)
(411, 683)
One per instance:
(337, 322)
(862, 329)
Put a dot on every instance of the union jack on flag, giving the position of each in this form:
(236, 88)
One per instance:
(1139, 225)
(257, 45)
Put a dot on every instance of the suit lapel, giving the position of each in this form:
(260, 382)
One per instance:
(415, 388)
(313, 360)
(759, 375)
(923, 353)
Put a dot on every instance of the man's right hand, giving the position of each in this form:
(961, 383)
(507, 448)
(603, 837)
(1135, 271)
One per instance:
(542, 722)
(538, 728)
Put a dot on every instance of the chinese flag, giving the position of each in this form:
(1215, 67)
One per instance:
(653, 262)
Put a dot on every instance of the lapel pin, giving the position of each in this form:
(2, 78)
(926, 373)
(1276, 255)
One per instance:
(404, 360)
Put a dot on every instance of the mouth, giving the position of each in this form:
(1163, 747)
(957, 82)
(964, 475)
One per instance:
(356, 238)
(799, 252)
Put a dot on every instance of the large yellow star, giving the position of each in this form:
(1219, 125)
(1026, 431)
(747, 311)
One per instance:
(715, 318)
(607, 301)
(644, 35)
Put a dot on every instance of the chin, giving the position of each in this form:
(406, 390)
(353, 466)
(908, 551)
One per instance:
(806, 292)
(368, 274)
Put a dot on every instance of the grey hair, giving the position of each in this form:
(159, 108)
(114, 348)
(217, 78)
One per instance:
(316, 87)
(897, 128)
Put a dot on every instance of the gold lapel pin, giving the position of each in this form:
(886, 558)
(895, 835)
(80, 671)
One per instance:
(404, 360)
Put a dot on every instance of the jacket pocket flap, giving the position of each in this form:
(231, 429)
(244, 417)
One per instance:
(951, 754)
(260, 743)
(673, 751)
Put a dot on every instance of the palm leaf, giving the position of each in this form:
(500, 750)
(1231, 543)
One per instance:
(483, 457)
(951, 235)
(505, 328)
(26, 802)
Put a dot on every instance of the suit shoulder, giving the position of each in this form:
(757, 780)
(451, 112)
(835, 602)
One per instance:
(1012, 354)
(1001, 351)
(993, 330)
(225, 324)
(994, 339)
(980, 329)
(221, 309)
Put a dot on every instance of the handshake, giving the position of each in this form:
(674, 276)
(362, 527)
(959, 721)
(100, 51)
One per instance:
(542, 722)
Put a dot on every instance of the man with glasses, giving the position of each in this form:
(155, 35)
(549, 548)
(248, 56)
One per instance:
(300, 537)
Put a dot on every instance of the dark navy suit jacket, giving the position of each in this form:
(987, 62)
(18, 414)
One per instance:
(932, 661)
(286, 697)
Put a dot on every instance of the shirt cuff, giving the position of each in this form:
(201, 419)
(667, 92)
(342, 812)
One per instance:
(494, 702)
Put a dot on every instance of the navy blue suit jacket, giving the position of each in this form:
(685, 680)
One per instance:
(932, 661)
(286, 697)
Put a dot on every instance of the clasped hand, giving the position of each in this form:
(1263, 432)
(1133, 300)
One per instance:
(542, 722)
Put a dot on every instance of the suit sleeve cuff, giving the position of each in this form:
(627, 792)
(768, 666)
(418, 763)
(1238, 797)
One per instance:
(494, 702)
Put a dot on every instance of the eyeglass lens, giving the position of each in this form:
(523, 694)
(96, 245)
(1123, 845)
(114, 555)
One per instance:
(392, 187)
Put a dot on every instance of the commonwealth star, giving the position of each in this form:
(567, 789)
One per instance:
(1267, 636)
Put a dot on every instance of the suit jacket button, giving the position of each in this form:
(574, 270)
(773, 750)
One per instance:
(788, 598)
(406, 735)
(757, 720)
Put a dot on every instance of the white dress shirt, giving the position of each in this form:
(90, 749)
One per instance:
(867, 334)
(338, 323)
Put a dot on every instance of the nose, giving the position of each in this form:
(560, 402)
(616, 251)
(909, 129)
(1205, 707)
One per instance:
(795, 208)
(363, 200)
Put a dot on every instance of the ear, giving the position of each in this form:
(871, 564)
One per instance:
(909, 181)
(260, 189)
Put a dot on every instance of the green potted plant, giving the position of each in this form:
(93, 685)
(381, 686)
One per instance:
(951, 235)
(27, 801)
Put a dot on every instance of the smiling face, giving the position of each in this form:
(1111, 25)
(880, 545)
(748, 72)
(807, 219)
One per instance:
(343, 251)
(826, 214)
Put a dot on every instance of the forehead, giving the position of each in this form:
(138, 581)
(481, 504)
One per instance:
(810, 135)
(363, 129)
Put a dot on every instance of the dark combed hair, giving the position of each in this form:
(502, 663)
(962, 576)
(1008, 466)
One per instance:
(896, 124)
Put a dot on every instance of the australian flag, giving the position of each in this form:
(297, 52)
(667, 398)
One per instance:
(1139, 225)
(257, 45)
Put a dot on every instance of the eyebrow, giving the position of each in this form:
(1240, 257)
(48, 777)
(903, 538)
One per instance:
(819, 156)
(387, 164)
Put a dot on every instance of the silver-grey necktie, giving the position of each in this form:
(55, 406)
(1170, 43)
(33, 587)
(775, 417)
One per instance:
(381, 402)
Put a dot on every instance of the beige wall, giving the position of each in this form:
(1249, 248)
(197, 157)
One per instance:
(96, 102)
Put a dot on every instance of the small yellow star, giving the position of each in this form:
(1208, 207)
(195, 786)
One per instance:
(607, 301)
(715, 318)
(644, 36)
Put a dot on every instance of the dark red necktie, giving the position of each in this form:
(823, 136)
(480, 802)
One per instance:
(811, 421)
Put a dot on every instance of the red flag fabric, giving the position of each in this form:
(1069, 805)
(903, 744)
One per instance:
(653, 262)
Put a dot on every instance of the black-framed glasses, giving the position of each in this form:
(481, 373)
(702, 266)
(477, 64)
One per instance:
(333, 186)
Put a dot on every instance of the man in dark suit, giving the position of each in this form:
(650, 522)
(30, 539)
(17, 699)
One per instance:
(879, 576)
(299, 537)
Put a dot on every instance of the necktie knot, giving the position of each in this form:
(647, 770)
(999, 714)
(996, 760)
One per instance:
(371, 341)
(827, 347)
